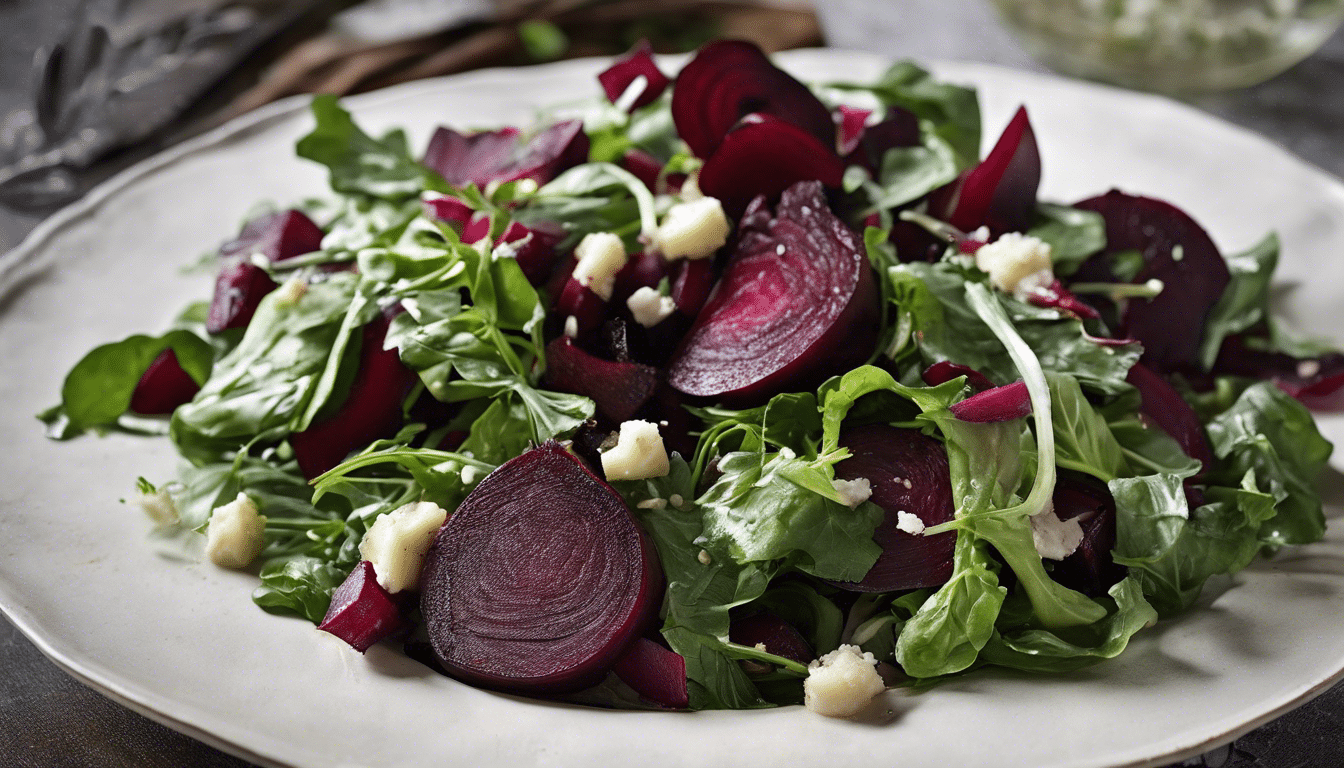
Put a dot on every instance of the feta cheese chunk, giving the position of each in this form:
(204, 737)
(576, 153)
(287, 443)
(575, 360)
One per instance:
(1055, 539)
(234, 536)
(694, 229)
(397, 542)
(909, 522)
(638, 453)
(600, 256)
(1017, 264)
(649, 307)
(853, 492)
(159, 505)
(841, 683)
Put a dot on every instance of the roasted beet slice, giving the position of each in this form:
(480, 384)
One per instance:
(945, 371)
(1168, 410)
(1175, 250)
(1005, 403)
(463, 159)
(764, 155)
(655, 673)
(1090, 569)
(163, 387)
(908, 472)
(361, 612)
(851, 121)
(730, 79)
(578, 301)
(777, 635)
(481, 158)
(1318, 382)
(1000, 192)
(540, 579)
(797, 303)
(534, 248)
(900, 128)
(623, 73)
(645, 269)
(618, 389)
(240, 285)
(471, 225)
(691, 284)
(371, 410)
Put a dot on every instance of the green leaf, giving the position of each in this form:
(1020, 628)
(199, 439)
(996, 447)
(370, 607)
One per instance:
(953, 110)
(1073, 234)
(947, 632)
(1083, 440)
(357, 162)
(543, 40)
(1245, 300)
(301, 586)
(909, 173)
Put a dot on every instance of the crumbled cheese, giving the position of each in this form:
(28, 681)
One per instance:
(761, 647)
(787, 453)
(234, 536)
(1308, 368)
(600, 256)
(704, 557)
(638, 453)
(1055, 539)
(853, 492)
(397, 542)
(158, 505)
(1017, 264)
(909, 522)
(649, 307)
(572, 326)
(694, 229)
(654, 503)
(841, 683)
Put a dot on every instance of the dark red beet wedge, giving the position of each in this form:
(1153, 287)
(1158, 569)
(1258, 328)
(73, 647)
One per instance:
(797, 303)
(777, 635)
(1168, 410)
(534, 248)
(463, 159)
(691, 285)
(1005, 403)
(1317, 382)
(1090, 569)
(637, 63)
(764, 155)
(361, 612)
(618, 389)
(1177, 251)
(471, 225)
(730, 79)
(481, 158)
(540, 579)
(645, 269)
(1000, 192)
(241, 285)
(889, 457)
(163, 387)
(945, 371)
(371, 410)
(851, 121)
(655, 673)
(578, 301)
(900, 128)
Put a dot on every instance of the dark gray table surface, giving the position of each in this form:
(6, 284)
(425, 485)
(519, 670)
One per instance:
(49, 720)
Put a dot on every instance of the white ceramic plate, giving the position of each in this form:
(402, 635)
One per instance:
(182, 642)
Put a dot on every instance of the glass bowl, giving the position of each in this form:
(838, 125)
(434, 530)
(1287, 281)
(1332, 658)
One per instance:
(1173, 46)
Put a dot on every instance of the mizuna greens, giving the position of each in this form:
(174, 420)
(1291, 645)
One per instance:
(406, 357)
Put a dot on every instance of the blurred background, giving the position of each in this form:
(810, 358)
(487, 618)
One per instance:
(88, 87)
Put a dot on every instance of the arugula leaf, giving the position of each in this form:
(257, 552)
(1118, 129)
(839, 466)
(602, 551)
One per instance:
(300, 585)
(98, 389)
(1245, 301)
(359, 163)
(1083, 440)
(947, 632)
(952, 110)
(909, 173)
(1073, 234)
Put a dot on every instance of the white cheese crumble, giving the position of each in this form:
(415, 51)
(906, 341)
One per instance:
(649, 307)
(693, 229)
(654, 503)
(841, 683)
(1017, 264)
(234, 535)
(909, 522)
(572, 326)
(158, 505)
(600, 256)
(1055, 539)
(397, 542)
(638, 453)
(853, 492)
(704, 557)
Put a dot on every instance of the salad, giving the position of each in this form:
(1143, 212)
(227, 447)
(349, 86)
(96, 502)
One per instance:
(728, 392)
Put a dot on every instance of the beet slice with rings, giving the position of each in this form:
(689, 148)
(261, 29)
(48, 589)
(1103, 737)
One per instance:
(1316, 382)
(655, 673)
(797, 303)
(1176, 251)
(1091, 568)
(639, 62)
(777, 635)
(362, 613)
(481, 158)
(370, 411)
(1165, 407)
(241, 285)
(908, 472)
(1000, 192)
(764, 155)
(1011, 401)
(730, 79)
(619, 389)
(163, 387)
(540, 579)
